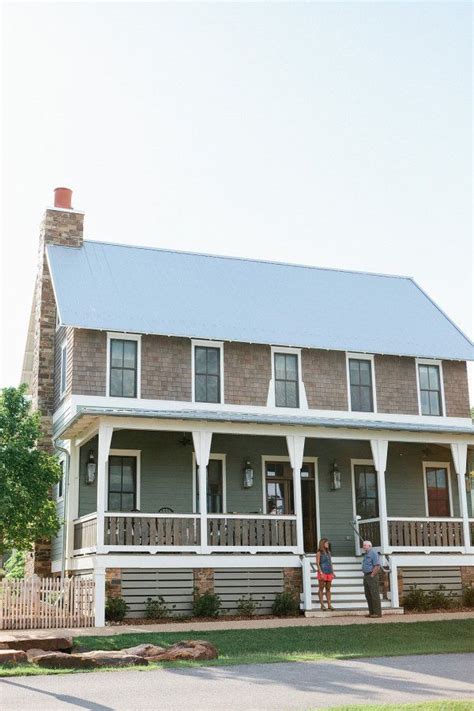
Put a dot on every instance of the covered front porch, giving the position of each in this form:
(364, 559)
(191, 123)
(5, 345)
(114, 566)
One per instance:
(173, 491)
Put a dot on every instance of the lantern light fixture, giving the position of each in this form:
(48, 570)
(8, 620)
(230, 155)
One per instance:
(248, 474)
(91, 468)
(335, 477)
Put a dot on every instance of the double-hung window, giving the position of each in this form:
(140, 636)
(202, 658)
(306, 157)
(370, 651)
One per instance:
(286, 380)
(366, 494)
(361, 384)
(123, 376)
(429, 379)
(122, 483)
(207, 373)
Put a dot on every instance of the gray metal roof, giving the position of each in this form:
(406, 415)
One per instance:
(220, 416)
(139, 290)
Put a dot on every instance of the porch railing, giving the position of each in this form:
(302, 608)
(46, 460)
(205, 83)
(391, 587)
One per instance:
(369, 530)
(425, 533)
(240, 531)
(85, 533)
(155, 530)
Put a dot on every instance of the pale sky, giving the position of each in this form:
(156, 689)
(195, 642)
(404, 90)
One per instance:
(332, 134)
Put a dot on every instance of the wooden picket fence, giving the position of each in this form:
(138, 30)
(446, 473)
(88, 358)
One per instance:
(46, 603)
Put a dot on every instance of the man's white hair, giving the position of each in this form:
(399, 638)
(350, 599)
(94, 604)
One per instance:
(367, 543)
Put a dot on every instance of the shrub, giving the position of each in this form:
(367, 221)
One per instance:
(206, 605)
(468, 597)
(247, 606)
(15, 565)
(440, 600)
(285, 603)
(115, 609)
(157, 609)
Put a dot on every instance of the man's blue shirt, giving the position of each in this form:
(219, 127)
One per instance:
(370, 560)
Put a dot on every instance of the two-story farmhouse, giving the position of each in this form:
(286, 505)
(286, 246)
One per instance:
(216, 416)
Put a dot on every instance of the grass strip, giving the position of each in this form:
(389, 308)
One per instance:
(295, 644)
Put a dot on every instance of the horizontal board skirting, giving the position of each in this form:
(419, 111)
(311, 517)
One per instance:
(233, 583)
(431, 578)
(176, 587)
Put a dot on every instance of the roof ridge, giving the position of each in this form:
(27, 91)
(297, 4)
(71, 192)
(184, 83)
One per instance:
(247, 259)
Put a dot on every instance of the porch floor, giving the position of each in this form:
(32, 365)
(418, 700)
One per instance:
(187, 627)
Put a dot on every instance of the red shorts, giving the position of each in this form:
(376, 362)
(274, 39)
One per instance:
(327, 577)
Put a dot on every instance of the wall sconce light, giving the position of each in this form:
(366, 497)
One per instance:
(335, 477)
(91, 468)
(248, 475)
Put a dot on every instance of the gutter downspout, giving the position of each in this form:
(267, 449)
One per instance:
(66, 506)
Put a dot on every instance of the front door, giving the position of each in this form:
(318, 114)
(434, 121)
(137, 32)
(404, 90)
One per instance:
(279, 497)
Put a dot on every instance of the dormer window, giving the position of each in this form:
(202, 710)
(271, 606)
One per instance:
(286, 380)
(123, 366)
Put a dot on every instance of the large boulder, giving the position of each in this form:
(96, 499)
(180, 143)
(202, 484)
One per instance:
(58, 660)
(104, 658)
(145, 650)
(191, 649)
(48, 644)
(12, 656)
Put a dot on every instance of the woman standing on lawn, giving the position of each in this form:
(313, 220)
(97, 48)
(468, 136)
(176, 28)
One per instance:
(325, 572)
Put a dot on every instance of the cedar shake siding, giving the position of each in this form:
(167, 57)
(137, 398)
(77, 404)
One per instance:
(89, 364)
(247, 373)
(396, 386)
(456, 390)
(166, 368)
(325, 379)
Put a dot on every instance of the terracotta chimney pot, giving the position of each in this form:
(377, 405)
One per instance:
(62, 198)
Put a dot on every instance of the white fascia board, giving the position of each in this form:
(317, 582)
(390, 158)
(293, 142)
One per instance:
(75, 401)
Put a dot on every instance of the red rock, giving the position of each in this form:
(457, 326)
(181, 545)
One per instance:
(58, 660)
(12, 656)
(48, 644)
(104, 658)
(187, 650)
(145, 650)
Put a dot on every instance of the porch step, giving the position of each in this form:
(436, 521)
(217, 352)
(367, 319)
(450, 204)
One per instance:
(353, 612)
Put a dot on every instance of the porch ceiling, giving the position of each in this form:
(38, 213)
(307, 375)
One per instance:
(85, 418)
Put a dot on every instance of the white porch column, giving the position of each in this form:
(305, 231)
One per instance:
(379, 454)
(394, 601)
(99, 579)
(459, 453)
(72, 492)
(105, 438)
(202, 450)
(295, 444)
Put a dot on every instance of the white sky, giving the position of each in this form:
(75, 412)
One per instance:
(322, 133)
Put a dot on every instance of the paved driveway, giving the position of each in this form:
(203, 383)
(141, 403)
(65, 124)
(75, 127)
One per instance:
(257, 686)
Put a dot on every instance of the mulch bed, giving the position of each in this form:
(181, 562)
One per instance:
(131, 621)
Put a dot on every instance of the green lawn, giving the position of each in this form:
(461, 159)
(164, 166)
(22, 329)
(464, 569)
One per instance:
(283, 644)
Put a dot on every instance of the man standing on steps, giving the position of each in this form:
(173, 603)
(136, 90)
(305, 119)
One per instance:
(371, 570)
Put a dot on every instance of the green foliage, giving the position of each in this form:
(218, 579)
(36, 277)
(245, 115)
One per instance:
(157, 609)
(422, 601)
(115, 609)
(15, 565)
(27, 475)
(206, 605)
(468, 597)
(247, 606)
(285, 604)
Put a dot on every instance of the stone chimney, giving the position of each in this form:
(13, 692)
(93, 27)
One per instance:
(61, 225)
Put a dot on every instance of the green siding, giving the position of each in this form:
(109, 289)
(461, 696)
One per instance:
(57, 542)
(166, 476)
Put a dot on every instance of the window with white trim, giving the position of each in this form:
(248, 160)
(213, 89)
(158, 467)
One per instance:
(286, 371)
(63, 370)
(207, 371)
(123, 367)
(429, 379)
(361, 384)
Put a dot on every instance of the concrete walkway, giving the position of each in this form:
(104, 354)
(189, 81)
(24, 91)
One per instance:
(186, 627)
(262, 687)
